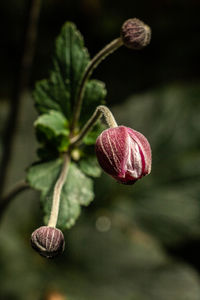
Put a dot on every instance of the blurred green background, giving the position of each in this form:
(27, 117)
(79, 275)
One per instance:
(138, 242)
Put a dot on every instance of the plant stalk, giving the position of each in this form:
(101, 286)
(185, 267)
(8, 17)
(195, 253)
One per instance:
(108, 49)
(57, 191)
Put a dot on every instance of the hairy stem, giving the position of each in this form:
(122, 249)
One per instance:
(108, 49)
(100, 111)
(57, 191)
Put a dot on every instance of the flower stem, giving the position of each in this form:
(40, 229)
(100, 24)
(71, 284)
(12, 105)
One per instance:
(57, 191)
(100, 111)
(108, 49)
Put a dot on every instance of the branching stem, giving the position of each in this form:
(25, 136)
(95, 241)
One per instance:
(108, 49)
(57, 191)
(100, 111)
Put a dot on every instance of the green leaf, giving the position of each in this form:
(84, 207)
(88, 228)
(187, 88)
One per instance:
(77, 190)
(55, 99)
(52, 133)
(95, 94)
(90, 166)
(53, 121)
(60, 90)
(91, 137)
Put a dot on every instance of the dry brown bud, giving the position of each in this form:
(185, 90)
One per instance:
(135, 34)
(48, 241)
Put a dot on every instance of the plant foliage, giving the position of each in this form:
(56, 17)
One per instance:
(55, 100)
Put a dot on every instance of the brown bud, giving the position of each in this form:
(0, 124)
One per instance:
(48, 241)
(135, 34)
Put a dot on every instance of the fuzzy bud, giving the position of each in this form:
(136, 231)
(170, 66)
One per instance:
(124, 153)
(48, 241)
(135, 34)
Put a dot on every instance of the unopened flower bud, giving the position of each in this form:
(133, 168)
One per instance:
(124, 153)
(135, 34)
(48, 241)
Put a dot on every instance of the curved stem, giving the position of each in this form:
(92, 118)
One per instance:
(18, 188)
(108, 49)
(101, 110)
(57, 191)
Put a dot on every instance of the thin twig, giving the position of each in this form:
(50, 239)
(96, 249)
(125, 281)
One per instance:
(21, 82)
(5, 200)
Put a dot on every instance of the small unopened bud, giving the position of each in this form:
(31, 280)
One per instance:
(135, 34)
(48, 241)
(124, 153)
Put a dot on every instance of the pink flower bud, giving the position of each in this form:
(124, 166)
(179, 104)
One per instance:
(124, 153)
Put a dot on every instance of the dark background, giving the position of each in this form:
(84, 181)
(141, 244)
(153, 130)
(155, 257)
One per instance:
(171, 56)
(132, 243)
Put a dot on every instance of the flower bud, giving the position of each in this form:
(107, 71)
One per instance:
(124, 153)
(48, 241)
(135, 34)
